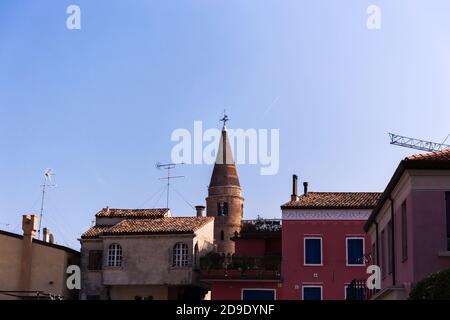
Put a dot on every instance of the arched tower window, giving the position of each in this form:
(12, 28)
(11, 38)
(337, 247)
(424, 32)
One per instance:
(225, 209)
(222, 208)
(180, 255)
(115, 255)
(222, 235)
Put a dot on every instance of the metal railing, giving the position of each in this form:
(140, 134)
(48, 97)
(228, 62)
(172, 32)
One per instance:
(357, 290)
(261, 225)
(217, 261)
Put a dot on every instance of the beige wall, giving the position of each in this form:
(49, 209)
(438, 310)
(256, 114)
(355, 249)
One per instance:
(10, 256)
(48, 264)
(48, 270)
(147, 260)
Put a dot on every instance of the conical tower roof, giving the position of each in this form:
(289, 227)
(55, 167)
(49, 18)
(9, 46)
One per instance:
(224, 172)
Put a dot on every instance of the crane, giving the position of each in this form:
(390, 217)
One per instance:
(418, 144)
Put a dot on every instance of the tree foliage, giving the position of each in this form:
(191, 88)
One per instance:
(434, 287)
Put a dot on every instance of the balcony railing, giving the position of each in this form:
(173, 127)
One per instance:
(223, 267)
(357, 290)
(261, 225)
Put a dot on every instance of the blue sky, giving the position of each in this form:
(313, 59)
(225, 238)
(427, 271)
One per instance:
(98, 105)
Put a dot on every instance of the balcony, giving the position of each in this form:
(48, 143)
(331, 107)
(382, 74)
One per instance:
(261, 225)
(216, 266)
(357, 290)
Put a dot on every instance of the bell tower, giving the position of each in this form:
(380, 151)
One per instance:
(225, 202)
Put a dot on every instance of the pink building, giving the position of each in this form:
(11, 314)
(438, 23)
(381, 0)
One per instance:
(410, 227)
(324, 246)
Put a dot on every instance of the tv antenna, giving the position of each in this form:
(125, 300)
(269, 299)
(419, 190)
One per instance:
(168, 167)
(417, 143)
(47, 183)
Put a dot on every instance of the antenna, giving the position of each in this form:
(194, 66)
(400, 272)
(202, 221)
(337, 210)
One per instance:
(168, 167)
(47, 183)
(417, 143)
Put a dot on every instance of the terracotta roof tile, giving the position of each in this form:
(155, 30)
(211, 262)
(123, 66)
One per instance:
(150, 226)
(437, 155)
(163, 225)
(95, 231)
(132, 213)
(335, 200)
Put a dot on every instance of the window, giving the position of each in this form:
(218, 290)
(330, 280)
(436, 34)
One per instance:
(312, 293)
(355, 251)
(258, 294)
(313, 251)
(180, 255)
(225, 209)
(447, 207)
(222, 235)
(95, 260)
(222, 208)
(383, 254)
(390, 259)
(404, 233)
(115, 255)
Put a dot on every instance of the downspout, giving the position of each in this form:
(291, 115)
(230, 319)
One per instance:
(393, 241)
(377, 242)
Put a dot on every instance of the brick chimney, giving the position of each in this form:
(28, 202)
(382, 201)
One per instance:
(29, 227)
(294, 196)
(200, 211)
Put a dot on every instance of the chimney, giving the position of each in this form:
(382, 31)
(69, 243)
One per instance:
(305, 188)
(46, 234)
(29, 227)
(200, 211)
(294, 196)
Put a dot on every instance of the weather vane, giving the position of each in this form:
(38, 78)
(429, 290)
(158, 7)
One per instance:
(224, 119)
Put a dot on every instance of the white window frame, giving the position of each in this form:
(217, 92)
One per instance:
(115, 255)
(304, 250)
(312, 286)
(180, 254)
(346, 250)
(259, 289)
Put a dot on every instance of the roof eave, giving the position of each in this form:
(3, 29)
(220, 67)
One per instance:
(402, 167)
(327, 207)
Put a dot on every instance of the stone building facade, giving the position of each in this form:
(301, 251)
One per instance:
(144, 254)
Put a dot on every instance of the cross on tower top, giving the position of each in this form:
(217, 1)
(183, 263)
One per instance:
(224, 119)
